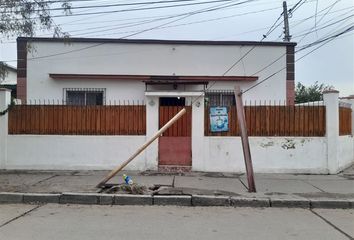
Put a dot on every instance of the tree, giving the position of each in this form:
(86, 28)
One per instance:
(311, 93)
(25, 17)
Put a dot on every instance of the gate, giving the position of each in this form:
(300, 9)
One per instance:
(175, 145)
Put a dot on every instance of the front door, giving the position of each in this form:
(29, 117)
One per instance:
(175, 146)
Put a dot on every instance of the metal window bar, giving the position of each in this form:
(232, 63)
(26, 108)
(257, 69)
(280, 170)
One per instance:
(84, 96)
(220, 98)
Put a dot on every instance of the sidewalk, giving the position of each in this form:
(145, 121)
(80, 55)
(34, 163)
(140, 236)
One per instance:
(191, 189)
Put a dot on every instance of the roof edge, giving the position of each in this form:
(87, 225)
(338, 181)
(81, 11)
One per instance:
(155, 41)
(9, 67)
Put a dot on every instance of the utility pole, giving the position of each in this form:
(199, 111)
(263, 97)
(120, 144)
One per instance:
(287, 36)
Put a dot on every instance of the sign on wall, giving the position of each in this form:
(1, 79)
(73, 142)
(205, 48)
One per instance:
(219, 119)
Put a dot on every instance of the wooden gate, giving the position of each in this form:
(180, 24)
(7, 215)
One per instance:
(175, 145)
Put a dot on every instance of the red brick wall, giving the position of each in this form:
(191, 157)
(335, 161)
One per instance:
(290, 75)
(22, 70)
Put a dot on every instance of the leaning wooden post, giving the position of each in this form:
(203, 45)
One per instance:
(244, 137)
(145, 145)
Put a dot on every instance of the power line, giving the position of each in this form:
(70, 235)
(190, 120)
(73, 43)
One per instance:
(325, 26)
(132, 9)
(328, 39)
(145, 17)
(330, 7)
(145, 30)
(131, 4)
(316, 16)
(177, 25)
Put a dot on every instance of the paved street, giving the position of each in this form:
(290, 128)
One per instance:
(68, 222)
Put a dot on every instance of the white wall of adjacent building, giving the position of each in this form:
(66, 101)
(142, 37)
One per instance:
(10, 77)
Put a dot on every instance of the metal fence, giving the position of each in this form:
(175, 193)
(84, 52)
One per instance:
(58, 119)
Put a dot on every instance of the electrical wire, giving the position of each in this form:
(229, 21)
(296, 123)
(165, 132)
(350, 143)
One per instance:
(142, 31)
(328, 39)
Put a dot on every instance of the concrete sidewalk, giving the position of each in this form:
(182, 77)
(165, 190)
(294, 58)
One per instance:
(196, 189)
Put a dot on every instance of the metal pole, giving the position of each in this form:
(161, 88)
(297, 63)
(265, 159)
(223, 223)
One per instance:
(244, 137)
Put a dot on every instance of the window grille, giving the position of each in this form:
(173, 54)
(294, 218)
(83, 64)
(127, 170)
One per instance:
(220, 98)
(85, 96)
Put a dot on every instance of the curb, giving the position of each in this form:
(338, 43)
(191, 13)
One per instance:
(173, 200)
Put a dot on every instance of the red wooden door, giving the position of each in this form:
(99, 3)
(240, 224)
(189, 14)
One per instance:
(175, 145)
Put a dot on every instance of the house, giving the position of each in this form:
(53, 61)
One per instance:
(87, 81)
(9, 80)
(161, 73)
(96, 71)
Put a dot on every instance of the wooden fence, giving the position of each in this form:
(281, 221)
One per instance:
(345, 121)
(183, 126)
(78, 120)
(275, 121)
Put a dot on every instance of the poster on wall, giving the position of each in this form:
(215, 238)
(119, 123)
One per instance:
(219, 119)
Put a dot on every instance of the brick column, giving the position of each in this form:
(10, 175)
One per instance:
(5, 100)
(331, 101)
(290, 75)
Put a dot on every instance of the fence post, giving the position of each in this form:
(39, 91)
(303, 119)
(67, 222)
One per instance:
(152, 126)
(350, 100)
(331, 102)
(198, 133)
(5, 100)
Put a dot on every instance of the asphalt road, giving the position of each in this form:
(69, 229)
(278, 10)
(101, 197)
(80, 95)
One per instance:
(52, 221)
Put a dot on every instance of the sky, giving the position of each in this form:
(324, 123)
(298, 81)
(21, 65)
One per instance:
(310, 21)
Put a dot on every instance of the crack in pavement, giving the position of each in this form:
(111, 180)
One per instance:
(46, 179)
(22, 215)
(332, 225)
(243, 183)
(313, 185)
(173, 181)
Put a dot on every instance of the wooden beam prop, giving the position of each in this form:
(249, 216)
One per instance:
(142, 148)
(244, 137)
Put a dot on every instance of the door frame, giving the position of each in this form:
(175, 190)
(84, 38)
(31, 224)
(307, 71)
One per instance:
(152, 126)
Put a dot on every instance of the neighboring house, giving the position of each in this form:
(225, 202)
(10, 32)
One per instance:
(10, 79)
(96, 71)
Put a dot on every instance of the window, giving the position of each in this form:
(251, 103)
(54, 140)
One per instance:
(84, 96)
(220, 98)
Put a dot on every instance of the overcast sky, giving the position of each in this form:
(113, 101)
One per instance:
(311, 21)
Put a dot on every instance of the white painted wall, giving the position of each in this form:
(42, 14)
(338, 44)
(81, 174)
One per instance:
(221, 154)
(150, 59)
(73, 152)
(269, 154)
(5, 99)
(345, 151)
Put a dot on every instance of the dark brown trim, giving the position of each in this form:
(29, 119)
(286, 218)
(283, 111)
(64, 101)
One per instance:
(155, 41)
(349, 97)
(22, 70)
(330, 91)
(176, 82)
(290, 75)
(152, 77)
